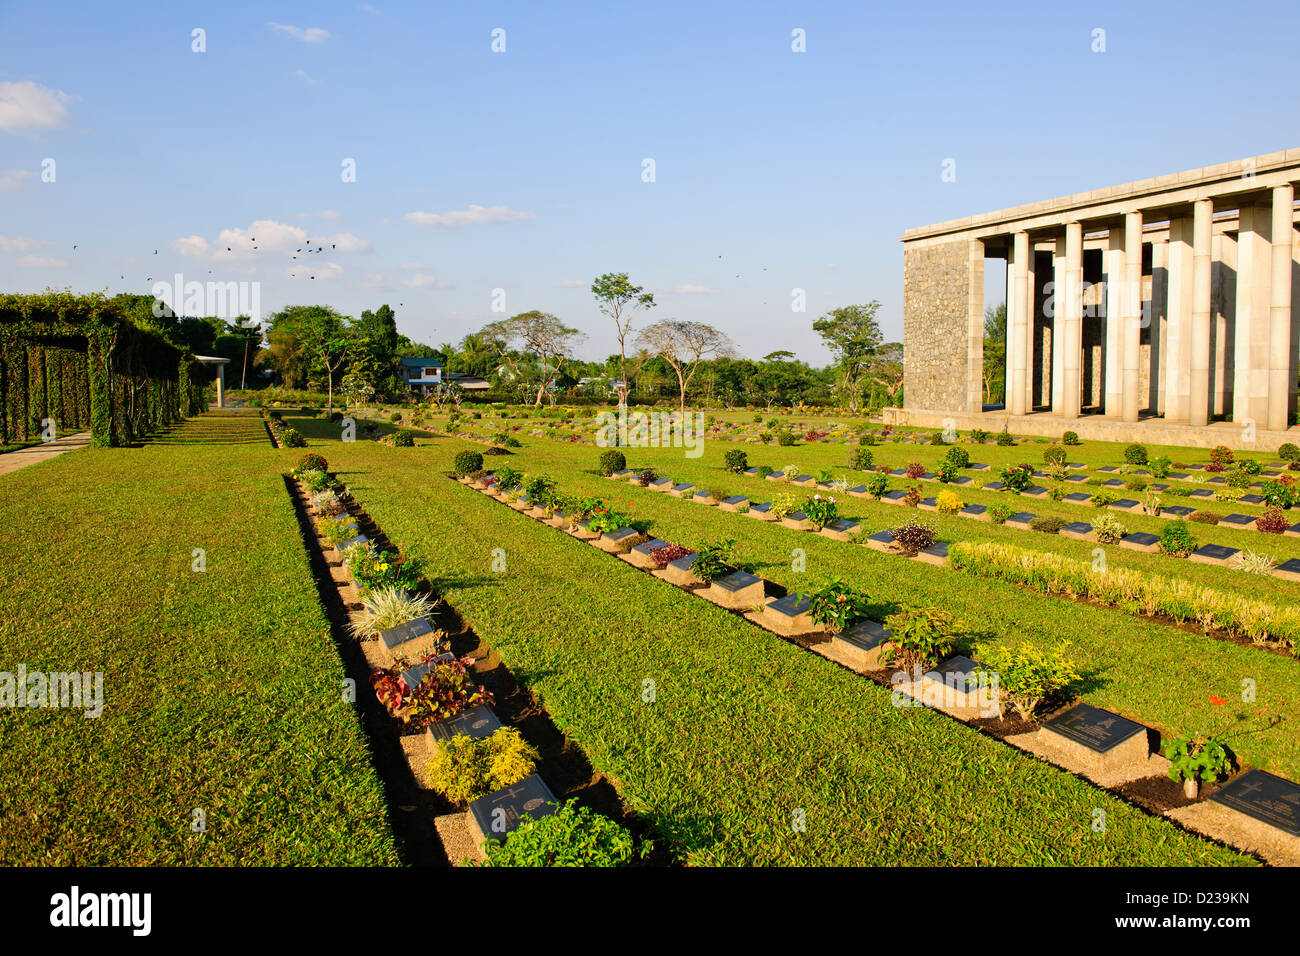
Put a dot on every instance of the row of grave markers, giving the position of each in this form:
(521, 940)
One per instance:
(1083, 738)
(1215, 554)
(491, 817)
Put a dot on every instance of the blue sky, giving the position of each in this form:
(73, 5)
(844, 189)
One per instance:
(522, 170)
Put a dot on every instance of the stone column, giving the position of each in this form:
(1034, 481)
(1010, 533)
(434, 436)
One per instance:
(1116, 274)
(1018, 358)
(1178, 337)
(1033, 313)
(1131, 317)
(975, 327)
(1251, 365)
(221, 385)
(1198, 397)
(1059, 282)
(1070, 309)
(1280, 374)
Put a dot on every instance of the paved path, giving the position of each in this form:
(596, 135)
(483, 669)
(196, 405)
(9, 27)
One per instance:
(12, 461)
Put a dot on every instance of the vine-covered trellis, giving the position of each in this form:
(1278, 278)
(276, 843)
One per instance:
(80, 361)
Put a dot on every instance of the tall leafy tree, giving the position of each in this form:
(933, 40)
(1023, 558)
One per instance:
(534, 345)
(852, 334)
(619, 299)
(323, 339)
(683, 345)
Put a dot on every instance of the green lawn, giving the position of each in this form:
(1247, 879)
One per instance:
(222, 689)
(1157, 674)
(746, 730)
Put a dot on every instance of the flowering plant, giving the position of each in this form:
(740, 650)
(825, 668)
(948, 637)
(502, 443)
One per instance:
(378, 569)
(821, 510)
(837, 605)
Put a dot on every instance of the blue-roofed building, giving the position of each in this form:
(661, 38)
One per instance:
(421, 374)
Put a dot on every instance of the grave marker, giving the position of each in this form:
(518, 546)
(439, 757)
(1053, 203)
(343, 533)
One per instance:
(498, 814)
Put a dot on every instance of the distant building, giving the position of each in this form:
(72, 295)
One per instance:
(470, 383)
(421, 374)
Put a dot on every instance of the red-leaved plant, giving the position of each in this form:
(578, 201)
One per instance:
(445, 691)
(662, 557)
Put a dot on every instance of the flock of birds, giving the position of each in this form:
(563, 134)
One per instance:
(304, 250)
(300, 250)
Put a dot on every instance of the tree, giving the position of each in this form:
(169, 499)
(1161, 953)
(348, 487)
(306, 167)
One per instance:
(887, 370)
(853, 336)
(538, 335)
(683, 345)
(321, 336)
(620, 300)
(995, 353)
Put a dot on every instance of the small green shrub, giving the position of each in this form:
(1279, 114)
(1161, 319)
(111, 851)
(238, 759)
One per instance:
(1289, 451)
(312, 462)
(714, 559)
(1054, 455)
(999, 513)
(785, 439)
(1004, 439)
(1070, 438)
(921, 637)
(1048, 524)
(764, 471)
(571, 836)
(1176, 539)
(1136, 454)
(861, 459)
(735, 460)
(1160, 466)
(292, 438)
(958, 457)
(404, 439)
(466, 462)
(612, 460)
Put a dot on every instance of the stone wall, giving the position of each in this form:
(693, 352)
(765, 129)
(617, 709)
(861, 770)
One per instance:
(935, 322)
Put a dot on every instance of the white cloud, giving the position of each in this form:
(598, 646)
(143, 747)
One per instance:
(304, 76)
(328, 270)
(42, 262)
(191, 246)
(367, 8)
(305, 34)
(423, 280)
(573, 283)
(268, 236)
(27, 105)
(21, 243)
(412, 265)
(330, 214)
(346, 242)
(14, 179)
(474, 215)
(374, 281)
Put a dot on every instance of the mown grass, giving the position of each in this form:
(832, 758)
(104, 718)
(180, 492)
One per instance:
(745, 731)
(1159, 675)
(222, 689)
